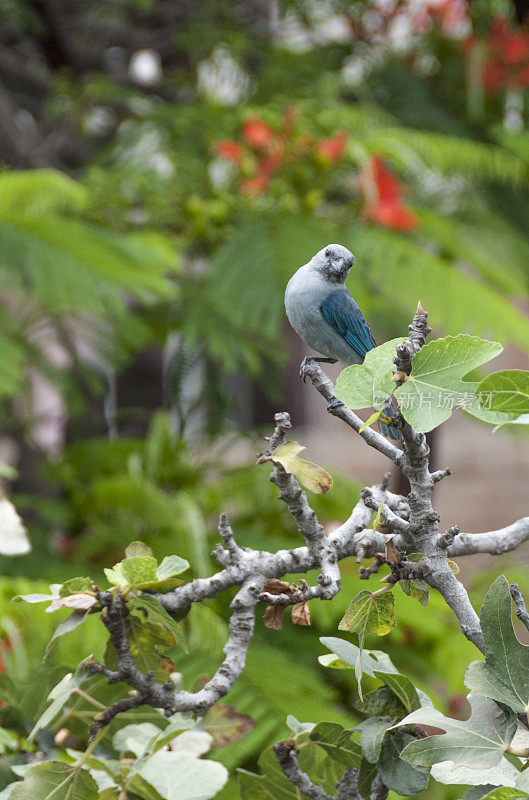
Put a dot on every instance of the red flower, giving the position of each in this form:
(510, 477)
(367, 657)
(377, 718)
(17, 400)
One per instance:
(506, 60)
(230, 150)
(333, 148)
(382, 194)
(257, 133)
(254, 186)
(392, 216)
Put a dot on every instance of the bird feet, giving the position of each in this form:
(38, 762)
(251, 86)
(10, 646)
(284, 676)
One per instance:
(335, 403)
(311, 360)
(306, 361)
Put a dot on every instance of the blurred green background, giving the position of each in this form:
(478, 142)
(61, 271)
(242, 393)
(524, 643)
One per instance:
(166, 166)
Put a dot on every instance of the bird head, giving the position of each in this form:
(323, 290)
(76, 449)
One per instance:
(334, 262)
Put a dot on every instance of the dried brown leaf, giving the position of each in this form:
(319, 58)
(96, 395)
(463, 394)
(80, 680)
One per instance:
(273, 617)
(301, 614)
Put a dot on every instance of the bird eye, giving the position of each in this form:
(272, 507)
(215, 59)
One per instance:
(328, 252)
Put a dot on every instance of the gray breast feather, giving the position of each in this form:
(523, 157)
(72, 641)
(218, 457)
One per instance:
(304, 295)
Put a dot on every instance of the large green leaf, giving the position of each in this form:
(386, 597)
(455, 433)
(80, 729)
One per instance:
(507, 391)
(404, 778)
(504, 675)
(373, 731)
(435, 385)
(369, 384)
(477, 742)
(337, 742)
(177, 775)
(55, 781)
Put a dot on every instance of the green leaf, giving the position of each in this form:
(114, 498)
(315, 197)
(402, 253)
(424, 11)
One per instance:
(369, 384)
(133, 571)
(435, 385)
(405, 779)
(173, 730)
(135, 738)
(523, 419)
(373, 731)
(507, 391)
(76, 586)
(366, 775)
(310, 475)
(418, 589)
(368, 613)
(402, 687)
(60, 695)
(138, 549)
(337, 742)
(504, 675)
(68, 625)
(272, 785)
(150, 608)
(54, 781)
(477, 742)
(349, 654)
(298, 727)
(504, 793)
(177, 775)
(171, 566)
(381, 702)
(147, 645)
(40, 191)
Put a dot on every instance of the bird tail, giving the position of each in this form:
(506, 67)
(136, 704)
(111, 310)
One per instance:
(388, 430)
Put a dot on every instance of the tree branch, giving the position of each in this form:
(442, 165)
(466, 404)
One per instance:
(519, 602)
(493, 542)
(411, 521)
(287, 758)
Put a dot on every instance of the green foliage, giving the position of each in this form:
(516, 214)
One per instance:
(154, 774)
(479, 741)
(436, 382)
(369, 612)
(336, 741)
(504, 675)
(369, 384)
(508, 391)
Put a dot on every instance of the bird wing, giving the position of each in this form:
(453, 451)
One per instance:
(340, 310)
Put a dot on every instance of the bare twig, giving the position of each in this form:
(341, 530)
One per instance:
(519, 602)
(287, 758)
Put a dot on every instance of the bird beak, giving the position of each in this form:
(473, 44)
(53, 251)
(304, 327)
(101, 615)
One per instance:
(341, 265)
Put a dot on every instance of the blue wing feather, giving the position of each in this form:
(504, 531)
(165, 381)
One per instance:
(341, 311)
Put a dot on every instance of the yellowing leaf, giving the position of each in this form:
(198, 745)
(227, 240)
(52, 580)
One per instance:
(311, 475)
(370, 420)
(301, 614)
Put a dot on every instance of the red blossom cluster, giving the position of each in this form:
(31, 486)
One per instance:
(451, 16)
(264, 150)
(505, 56)
(382, 196)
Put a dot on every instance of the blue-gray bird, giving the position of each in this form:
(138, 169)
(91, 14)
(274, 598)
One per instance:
(324, 315)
